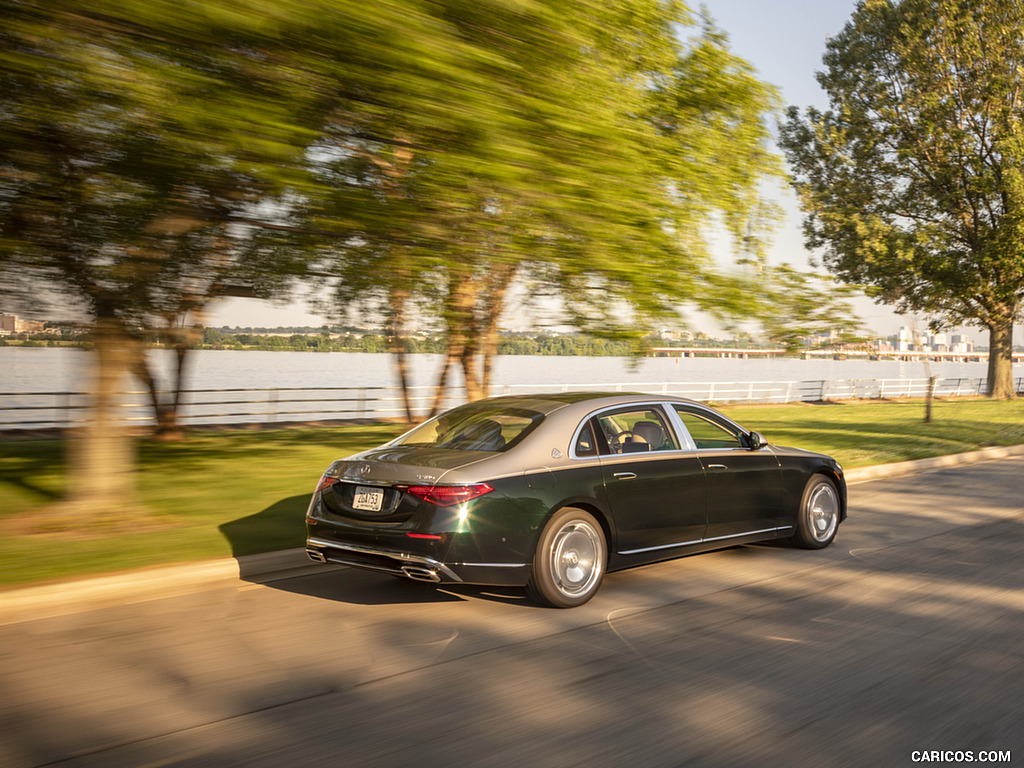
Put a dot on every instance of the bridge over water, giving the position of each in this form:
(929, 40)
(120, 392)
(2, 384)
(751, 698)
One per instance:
(863, 354)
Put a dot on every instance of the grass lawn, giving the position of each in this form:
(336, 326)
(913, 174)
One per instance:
(244, 492)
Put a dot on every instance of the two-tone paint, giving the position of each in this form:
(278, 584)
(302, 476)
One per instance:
(651, 506)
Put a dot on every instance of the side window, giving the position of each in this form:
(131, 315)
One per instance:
(707, 433)
(637, 430)
(585, 443)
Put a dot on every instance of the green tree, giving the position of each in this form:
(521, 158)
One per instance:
(373, 342)
(213, 337)
(139, 142)
(912, 181)
(596, 153)
(792, 305)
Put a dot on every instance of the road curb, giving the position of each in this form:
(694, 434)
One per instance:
(69, 597)
(898, 469)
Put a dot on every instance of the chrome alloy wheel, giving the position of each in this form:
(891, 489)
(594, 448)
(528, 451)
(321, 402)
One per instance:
(823, 512)
(577, 558)
(569, 561)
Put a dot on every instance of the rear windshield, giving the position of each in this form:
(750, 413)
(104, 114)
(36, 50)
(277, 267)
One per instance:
(474, 428)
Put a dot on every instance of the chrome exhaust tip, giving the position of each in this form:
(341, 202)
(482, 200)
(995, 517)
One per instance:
(417, 573)
(317, 555)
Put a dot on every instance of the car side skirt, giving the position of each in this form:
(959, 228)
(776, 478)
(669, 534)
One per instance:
(635, 557)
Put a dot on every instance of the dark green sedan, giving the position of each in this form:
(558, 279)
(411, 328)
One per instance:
(552, 491)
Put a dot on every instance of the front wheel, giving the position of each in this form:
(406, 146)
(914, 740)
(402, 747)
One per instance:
(818, 517)
(569, 563)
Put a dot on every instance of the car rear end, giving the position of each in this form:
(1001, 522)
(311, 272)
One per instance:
(436, 504)
(426, 531)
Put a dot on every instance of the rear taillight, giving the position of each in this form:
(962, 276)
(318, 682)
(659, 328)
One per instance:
(325, 482)
(447, 495)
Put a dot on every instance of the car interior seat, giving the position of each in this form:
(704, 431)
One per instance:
(649, 432)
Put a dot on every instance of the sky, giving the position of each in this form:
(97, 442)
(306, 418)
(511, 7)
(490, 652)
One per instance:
(784, 41)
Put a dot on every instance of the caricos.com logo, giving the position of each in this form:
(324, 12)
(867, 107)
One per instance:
(960, 756)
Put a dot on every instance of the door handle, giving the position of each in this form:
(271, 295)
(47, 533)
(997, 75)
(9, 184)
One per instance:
(625, 475)
(717, 466)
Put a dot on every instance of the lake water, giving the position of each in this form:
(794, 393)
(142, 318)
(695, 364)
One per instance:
(367, 382)
(32, 369)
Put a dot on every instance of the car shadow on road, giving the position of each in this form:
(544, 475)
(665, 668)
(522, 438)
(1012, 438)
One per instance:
(357, 587)
(280, 526)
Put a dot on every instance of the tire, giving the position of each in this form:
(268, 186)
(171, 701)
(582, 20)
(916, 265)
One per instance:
(570, 560)
(818, 517)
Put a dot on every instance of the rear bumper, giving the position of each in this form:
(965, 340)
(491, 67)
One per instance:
(414, 566)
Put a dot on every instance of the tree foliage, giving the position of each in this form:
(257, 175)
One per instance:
(599, 151)
(912, 181)
(793, 306)
(138, 141)
(155, 155)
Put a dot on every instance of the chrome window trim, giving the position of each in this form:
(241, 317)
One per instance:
(576, 437)
(715, 418)
(704, 541)
(626, 406)
(680, 427)
(633, 458)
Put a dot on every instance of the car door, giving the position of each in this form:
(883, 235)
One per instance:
(655, 490)
(745, 492)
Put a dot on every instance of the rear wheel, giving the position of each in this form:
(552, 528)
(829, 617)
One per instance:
(570, 560)
(818, 517)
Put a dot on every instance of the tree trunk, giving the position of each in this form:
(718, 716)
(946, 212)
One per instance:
(500, 279)
(168, 427)
(398, 299)
(1000, 360)
(468, 358)
(463, 335)
(460, 321)
(166, 409)
(139, 367)
(402, 369)
(442, 382)
(101, 466)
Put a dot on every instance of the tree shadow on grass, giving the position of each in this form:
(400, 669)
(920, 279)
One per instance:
(23, 463)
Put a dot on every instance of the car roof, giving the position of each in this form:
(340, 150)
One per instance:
(549, 445)
(547, 402)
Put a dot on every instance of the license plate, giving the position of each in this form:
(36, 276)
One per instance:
(368, 499)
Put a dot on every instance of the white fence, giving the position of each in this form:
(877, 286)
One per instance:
(814, 390)
(38, 410)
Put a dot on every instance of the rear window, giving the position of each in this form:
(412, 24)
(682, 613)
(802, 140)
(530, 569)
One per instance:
(474, 428)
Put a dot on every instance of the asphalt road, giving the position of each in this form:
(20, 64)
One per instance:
(907, 635)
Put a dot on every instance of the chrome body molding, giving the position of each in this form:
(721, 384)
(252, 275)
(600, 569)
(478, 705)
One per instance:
(750, 533)
(401, 558)
(491, 565)
(705, 541)
(663, 546)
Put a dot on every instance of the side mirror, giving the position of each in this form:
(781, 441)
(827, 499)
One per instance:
(756, 441)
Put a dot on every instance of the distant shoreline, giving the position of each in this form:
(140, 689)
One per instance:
(979, 355)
